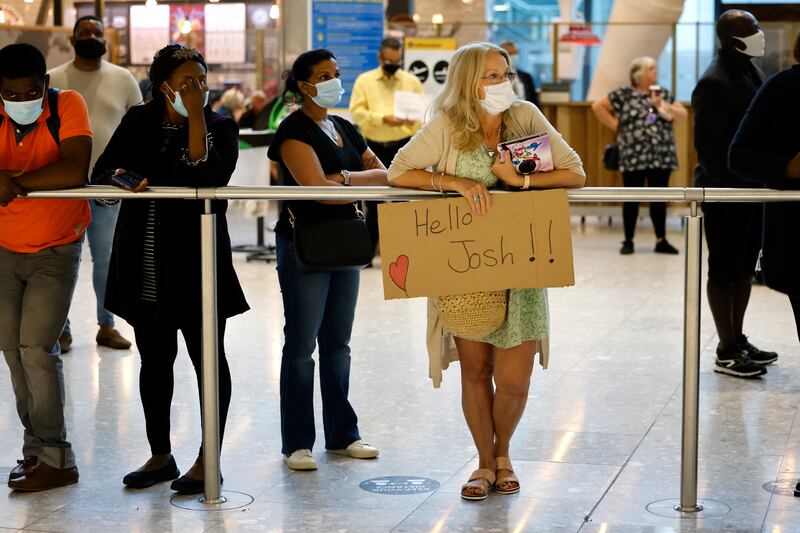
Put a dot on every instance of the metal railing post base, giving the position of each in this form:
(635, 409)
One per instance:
(694, 509)
(221, 499)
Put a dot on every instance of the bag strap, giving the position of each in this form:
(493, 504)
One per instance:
(54, 120)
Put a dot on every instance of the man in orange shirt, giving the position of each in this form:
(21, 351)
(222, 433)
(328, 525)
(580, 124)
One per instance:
(45, 143)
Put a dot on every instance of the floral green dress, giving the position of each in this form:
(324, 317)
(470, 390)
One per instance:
(527, 314)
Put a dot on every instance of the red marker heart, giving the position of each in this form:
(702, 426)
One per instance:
(398, 270)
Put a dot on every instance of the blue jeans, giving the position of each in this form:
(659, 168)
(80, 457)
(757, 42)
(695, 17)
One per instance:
(320, 308)
(35, 294)
(100, 234)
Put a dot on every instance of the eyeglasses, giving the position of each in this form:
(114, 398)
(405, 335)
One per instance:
(494, 78)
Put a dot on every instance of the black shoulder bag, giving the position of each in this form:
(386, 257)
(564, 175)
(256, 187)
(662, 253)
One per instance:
(332, 245)
(611, 157)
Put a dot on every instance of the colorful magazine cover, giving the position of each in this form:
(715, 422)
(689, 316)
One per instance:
(529, 154)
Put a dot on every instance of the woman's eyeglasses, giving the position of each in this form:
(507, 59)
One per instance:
(500, 78)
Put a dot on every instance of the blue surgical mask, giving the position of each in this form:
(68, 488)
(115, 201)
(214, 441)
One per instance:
(178, 106)
(329, 93)
(24, 113)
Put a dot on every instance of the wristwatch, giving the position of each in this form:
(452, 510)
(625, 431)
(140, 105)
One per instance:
(346, 176)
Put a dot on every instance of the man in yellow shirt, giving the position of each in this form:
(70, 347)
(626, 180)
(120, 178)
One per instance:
(372, 109)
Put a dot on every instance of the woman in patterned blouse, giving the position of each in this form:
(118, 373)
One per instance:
(641, 114)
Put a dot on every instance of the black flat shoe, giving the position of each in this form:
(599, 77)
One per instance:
(187, 485)
(142, 480)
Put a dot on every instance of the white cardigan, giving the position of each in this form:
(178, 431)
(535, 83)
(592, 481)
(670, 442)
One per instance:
(432, 147)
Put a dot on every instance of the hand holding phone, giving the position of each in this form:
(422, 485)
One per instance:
(129, 181)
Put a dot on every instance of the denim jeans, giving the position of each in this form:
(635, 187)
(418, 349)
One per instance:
(318, 308)
(101, 237)
(35, 294)
(100, 234)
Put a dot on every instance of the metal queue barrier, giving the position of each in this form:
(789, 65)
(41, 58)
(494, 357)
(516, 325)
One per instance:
(213, 497)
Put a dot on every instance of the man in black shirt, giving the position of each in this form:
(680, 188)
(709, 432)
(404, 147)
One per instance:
(733, 231)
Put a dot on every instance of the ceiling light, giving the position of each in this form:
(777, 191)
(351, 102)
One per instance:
(151, 3)
(274, 12)
(501, 8)
(437, 18)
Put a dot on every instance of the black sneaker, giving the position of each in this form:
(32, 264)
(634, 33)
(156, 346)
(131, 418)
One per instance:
(627, 248)
(664, 247)
(797, 489)
(757, 356)
(737, 363)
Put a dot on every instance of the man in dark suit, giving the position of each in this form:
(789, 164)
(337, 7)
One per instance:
(524, 86)
(733, 230)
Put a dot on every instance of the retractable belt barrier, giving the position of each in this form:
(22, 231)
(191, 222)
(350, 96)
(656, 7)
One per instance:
(692, 281)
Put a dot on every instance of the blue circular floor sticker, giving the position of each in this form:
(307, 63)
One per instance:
(399, 485)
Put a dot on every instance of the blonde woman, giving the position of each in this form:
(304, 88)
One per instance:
(641, 114)
(475, 111)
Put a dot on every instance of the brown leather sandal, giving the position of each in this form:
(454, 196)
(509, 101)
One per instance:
(481, 479)
(510, 481)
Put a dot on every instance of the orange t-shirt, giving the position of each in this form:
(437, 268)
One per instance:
(31, 225)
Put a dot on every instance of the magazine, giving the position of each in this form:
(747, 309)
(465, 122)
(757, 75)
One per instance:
(529, 154)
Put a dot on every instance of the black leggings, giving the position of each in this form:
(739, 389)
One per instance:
(795, 299)
(655, 177)
(158, 347)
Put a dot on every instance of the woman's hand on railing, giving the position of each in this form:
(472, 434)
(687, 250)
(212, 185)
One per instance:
(131, 182)
(476, 193)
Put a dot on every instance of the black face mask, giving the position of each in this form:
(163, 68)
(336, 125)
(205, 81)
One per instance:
(90, 48)
(390, 69)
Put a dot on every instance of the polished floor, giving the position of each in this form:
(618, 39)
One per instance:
(598, 449)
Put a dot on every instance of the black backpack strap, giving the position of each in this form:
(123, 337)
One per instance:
(54, 120)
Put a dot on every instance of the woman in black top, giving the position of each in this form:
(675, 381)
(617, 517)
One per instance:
(314, 148)
(643, 121)
(766, 149)
(154, 279)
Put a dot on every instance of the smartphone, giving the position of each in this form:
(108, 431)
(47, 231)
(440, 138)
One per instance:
(127, 180)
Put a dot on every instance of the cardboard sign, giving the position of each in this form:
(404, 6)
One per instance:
(438, 247)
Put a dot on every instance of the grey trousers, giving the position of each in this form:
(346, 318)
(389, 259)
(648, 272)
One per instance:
(35, 295)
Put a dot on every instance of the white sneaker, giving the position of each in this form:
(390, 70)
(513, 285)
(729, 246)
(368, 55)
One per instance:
(359, 450)
(300, 460)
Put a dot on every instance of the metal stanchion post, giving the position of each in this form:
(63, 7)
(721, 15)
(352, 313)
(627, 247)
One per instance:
(691, 362)
(209, 366)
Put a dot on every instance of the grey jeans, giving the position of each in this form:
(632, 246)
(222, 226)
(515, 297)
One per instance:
(35, 295)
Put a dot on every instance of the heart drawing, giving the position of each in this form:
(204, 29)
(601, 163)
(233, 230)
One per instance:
(398, 271)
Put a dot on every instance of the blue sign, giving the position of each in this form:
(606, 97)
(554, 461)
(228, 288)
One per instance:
(352, 30)
(397, 485)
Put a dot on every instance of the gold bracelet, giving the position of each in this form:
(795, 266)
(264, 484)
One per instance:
(441, 179)
(527, 183)
(433, 187)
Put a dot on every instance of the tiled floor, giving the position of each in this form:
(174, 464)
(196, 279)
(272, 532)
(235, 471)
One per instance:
(600, 440)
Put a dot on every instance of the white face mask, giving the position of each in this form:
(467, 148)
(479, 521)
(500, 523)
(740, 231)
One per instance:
(498, 98)
(755, 45)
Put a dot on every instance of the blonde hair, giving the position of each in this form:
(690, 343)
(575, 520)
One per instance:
(232, 99)
(638, 66)
(459, 98)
